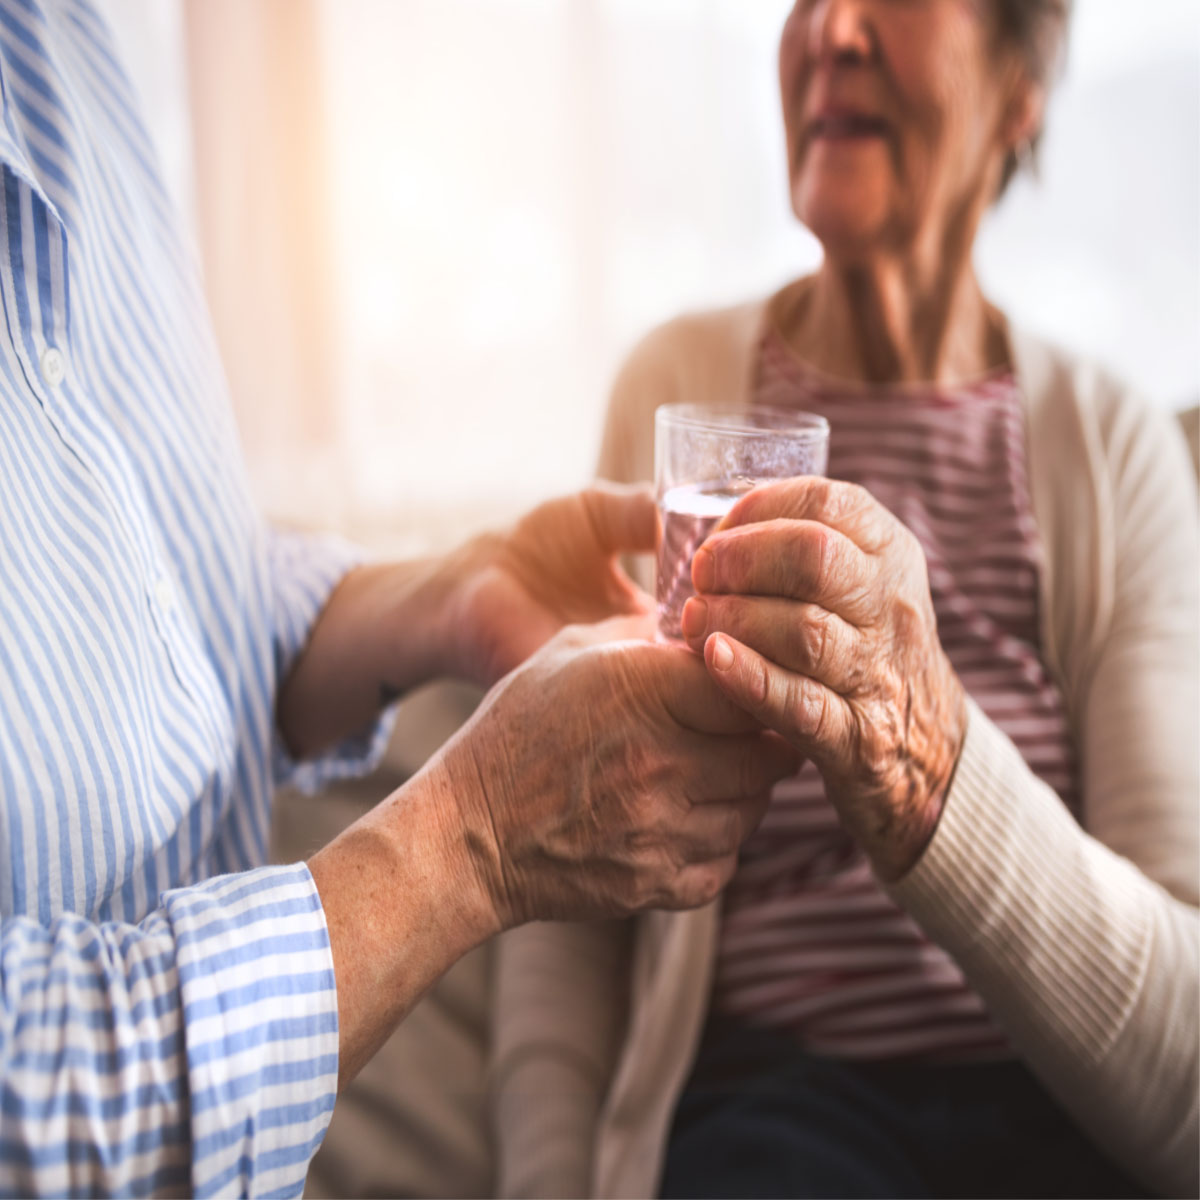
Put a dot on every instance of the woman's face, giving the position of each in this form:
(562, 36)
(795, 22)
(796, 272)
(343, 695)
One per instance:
(898, 115)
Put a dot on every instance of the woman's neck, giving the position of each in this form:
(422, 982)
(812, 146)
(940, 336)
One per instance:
(891, 322)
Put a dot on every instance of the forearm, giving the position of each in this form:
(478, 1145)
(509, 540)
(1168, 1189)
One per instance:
(561, 995)
(402, 904)
(1090, 966)
(380, 635)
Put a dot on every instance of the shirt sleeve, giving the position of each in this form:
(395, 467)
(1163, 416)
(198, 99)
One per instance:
(304, 569)
(193, 1053)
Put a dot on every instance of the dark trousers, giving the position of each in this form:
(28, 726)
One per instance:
(761, 1118)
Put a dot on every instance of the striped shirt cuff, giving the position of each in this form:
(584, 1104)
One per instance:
(259, 1001)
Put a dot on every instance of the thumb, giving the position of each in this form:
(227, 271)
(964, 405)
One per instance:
(739, 672)
(625, 518)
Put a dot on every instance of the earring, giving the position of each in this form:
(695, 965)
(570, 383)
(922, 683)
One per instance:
(1023, 151)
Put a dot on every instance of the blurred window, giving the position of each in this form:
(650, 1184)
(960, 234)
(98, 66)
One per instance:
(517, 189)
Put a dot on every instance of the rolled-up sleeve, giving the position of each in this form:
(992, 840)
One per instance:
(304, 571)
(194, 1053)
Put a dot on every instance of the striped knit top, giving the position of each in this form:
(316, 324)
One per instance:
(810, 943)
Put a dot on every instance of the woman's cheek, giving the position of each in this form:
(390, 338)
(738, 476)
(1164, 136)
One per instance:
(792, 51)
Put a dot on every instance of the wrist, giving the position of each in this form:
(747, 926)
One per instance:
(907, 838)
(420, 611)
(468, 836)
(459, 586)
(401, 909)
(916, 812)
(429, 829)
(463, 843)
(416, 599)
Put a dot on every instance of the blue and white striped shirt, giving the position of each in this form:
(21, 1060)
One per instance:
(168, 1017)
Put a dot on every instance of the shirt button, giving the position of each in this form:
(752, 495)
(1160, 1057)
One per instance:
(164, 593)
(54, 366)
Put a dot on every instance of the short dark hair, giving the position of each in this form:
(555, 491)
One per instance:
(1037, 31)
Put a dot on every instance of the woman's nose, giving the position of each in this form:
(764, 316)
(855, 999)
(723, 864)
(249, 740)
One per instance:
(839, 31)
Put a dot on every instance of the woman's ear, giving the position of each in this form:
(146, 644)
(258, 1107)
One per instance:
(1023, 115)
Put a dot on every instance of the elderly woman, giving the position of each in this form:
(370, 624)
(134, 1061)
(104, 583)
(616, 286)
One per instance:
(960, 955)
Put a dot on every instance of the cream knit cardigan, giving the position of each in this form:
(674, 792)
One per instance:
(1084, 945)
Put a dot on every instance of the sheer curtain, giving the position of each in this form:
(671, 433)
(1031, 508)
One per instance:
(432, 228)
(257, 96)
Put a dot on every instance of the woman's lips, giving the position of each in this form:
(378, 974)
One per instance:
(846, 126)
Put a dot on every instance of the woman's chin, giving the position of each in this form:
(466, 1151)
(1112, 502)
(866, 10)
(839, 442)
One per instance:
(845, 239)
(843, 220)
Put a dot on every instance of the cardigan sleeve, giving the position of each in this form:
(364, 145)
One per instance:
(561, 995)
(1084, 941)
(561, 989)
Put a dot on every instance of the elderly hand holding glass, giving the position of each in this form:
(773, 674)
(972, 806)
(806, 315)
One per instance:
(813, 612)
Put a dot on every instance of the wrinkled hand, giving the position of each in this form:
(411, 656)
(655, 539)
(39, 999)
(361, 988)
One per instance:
(558, 566)
(825, 631)
(604, 777)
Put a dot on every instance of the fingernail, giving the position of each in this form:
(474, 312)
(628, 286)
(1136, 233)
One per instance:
(703, 571)
(695, 618)
(722, 654)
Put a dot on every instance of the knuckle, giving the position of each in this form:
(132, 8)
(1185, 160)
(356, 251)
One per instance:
(911, 549)
(783, 708)
(641, 846)
(877, 757)
(906, 555)
(808, 709)
(709, 888)
(860, 668)
(858, 498)
(841, 499)
(704, 884)
(759, 688)
(811, 637)
(824, 726)
(725, 613)
(908, 625)
(820, 553)
(862, 504)
(649, 885)
(639, 764)
(825, 493)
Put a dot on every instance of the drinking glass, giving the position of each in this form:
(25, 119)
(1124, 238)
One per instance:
(705, 460)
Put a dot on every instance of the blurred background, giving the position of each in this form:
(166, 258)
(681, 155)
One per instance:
(431, 229)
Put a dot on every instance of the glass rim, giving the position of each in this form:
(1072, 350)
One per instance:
(795, 423)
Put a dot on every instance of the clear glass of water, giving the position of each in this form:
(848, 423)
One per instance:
(705, 460)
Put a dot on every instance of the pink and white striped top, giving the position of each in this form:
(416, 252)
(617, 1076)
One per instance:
(810, 942)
